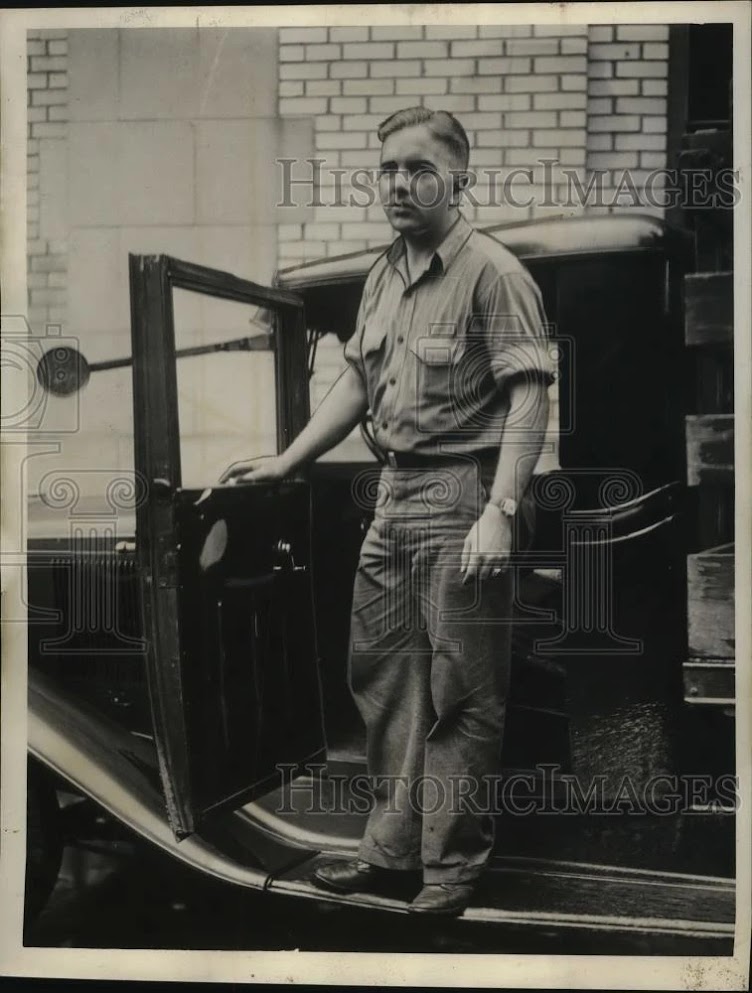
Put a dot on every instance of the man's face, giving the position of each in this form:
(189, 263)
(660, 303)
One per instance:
(416, 181)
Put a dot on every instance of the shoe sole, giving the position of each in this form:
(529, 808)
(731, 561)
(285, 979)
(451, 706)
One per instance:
(451, 912)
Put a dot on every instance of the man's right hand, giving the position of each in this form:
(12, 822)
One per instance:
(262, 470)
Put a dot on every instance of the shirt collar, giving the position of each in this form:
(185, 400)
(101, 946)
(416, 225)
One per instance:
(445, 253)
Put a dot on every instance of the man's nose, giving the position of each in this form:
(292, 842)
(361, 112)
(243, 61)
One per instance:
(399, 183)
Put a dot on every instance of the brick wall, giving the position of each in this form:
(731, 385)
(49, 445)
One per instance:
(627, 102)
(47, 58)
(589, 97)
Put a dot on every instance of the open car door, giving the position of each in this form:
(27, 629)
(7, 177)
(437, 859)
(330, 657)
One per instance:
(225, 570)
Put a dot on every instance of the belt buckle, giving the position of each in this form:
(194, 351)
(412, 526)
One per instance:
(391, 460)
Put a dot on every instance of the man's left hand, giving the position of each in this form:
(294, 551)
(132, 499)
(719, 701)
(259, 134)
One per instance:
(488, 545)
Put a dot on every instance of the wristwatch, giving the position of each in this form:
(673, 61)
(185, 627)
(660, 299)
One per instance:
(508, 506)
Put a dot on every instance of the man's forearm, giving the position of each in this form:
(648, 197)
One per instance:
(339, 412)
(521, 441)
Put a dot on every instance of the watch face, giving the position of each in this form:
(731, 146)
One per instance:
(508, 507)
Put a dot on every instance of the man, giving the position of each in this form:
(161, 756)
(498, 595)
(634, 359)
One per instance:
(449, 355)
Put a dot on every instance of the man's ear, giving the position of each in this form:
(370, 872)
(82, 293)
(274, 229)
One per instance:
(459, 183)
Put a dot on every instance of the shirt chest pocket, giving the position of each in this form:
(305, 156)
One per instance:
(438, 364)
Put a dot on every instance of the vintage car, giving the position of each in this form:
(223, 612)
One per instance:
(188, 667)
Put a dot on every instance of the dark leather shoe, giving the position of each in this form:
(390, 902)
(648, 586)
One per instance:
(449, 899)
(355, 876)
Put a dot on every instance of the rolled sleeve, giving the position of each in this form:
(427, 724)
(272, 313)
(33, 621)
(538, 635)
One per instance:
(513, 322)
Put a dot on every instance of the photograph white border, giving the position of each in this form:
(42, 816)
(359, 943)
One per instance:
(499, 971)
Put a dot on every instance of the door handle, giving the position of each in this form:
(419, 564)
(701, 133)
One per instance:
(285, 559)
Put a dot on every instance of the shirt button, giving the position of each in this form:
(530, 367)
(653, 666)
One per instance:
(392, 381)
(385, 424)
(400, 338)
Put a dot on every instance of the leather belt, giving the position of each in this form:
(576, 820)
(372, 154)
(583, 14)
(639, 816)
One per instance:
(415, 460)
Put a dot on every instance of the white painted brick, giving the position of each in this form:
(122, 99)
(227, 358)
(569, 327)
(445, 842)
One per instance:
(651, 70)
(559, 31)
(641, 142)
(369, 50)
(612, 160)
(655, 51)
(449, 67)
(35, 114)
(394, 69)
(600, 105)
(450, 32)
(32, 147)
(322, 232)
(654, 125)
(302, 70)
(530, 119)
(291, 53)
(348, 105)
(36, 248)
(344, 139)
(36, 47)
(306, 249)
(329, 122)
(345, 247)
(572, 156)
(423, 49)
(640, 105)
(473, 49)
(373, 140)
(362, 122)
(355, 158)
(485, 84)
(302, 35)
(614, 122)
(358, 230)
(368, 87)
(323, 87)
(455, 103)
(572, 118)
(652, 160)
(532, 46)
(58, 80)
(571, 82)
(348, 70)
(558, 137)
(479, 121)
(43, 98)
(654, 87)
(49, 63)
(291, 88)
(559, 101)
(642, 32)
(49, 130)
(57, 113)
(36, 280)
(422, 87)
(504, 101)
(505, 30)
(615, 51)
(52, 34)
(338, 213)
(348, 34)
(59, 47)
(601, 32)
(600, 70)
(613, 87)
(36, 80)
(531, 84)
(503, 67)
(58, 280)
(397, 32)
(302, 105)
(574, 46)
(386, 105)
(600, 142)
(503, 139)
(322, 53)
(32, 163)
(290, 232)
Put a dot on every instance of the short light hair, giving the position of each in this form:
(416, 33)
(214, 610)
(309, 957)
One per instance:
(443, 126)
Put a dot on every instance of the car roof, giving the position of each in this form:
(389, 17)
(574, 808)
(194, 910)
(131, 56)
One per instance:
(538, 238)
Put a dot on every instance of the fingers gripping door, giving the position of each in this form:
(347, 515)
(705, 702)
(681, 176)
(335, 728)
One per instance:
(225, 571)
